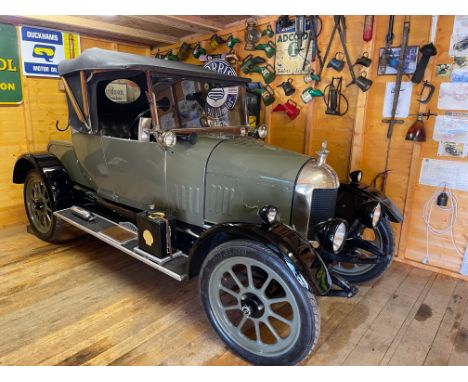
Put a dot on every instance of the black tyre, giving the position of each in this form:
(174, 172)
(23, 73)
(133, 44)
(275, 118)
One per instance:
(382, 237)
(39, 208)
(257, 306)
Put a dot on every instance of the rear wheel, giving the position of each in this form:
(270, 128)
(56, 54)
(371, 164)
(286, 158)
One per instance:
(38, 205)
(257, 306)
(382, 238)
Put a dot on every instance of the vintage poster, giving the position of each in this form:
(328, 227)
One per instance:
(404, 100)
(459, 41)
(42, 49)
(289, 58)
(451, 128)
(436, 172)
(453, 96)
(11, 91)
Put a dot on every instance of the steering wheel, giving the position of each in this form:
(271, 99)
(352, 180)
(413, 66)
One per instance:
(133, 131)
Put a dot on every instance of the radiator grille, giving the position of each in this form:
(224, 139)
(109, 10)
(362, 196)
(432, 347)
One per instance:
(323, 206)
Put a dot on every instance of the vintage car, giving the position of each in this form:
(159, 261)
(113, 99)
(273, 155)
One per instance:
(163, 166)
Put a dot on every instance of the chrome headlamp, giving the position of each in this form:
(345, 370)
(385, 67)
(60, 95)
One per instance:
(262, 131)
(332, 234)
(259, 132)
(268, 214)
(371, 212)
(168, 139)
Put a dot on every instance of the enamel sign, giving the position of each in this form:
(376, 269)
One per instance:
(220, 99)
(42, 49)
(289, 58)
(10, 76)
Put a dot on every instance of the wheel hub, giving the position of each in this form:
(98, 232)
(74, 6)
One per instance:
(252, 306)
(39, 205)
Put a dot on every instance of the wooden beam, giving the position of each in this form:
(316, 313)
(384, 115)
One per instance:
(173, 23)
(357, 140)
(92, 27)
(200, 22)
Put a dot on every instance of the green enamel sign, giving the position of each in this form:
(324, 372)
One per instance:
(10, 76)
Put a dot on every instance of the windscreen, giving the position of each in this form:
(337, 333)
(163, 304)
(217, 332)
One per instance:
(183, 103)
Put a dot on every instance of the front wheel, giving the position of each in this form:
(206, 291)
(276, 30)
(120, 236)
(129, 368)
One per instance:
(257, 306)
(382, 238)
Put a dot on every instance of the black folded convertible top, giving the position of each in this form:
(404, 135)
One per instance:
(99, 59)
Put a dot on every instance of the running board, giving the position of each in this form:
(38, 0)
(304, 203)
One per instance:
(125, 240)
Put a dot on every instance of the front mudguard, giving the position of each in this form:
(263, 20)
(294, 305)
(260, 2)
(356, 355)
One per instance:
(351, 196)
(297, 254)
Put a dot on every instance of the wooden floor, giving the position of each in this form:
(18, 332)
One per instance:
(82, 302)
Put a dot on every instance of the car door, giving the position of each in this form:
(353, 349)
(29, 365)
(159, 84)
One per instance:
(91, 160)
(137, 172)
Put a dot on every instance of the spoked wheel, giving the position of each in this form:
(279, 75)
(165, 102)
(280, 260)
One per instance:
(257, 306)
(382, 238)
(38, 204)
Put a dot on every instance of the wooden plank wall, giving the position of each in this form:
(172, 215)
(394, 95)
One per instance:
(357, 140)
(29, 126)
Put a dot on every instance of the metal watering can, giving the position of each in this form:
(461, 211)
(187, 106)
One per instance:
(267, 72)
(269, 48)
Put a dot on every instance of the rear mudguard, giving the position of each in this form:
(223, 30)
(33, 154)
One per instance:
(286, 243)
(53, 172)
(351, 196)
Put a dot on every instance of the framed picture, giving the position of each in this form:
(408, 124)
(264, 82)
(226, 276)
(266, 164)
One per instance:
(389, 58)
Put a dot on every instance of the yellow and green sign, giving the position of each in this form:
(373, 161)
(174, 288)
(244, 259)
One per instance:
(10, 76)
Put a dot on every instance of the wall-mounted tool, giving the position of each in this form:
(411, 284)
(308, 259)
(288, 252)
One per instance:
(198, 50)
(368, 28)
(315, 30)
(385, 59)
(337, 62)
(252, 34)
(340, 27)
(333, 96)
(308, 94)
(249, 62)
(300, 31)
(430, 93)
(427, 52)
(364, 60)
(362, 82)
(269, 48)
(417, 131)
(383, 175)
(289, 107)
(287, 87)
(232, 41)
(184, 51)
(216, 41)
(404, 45)
(267, 72)
(268, 31)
